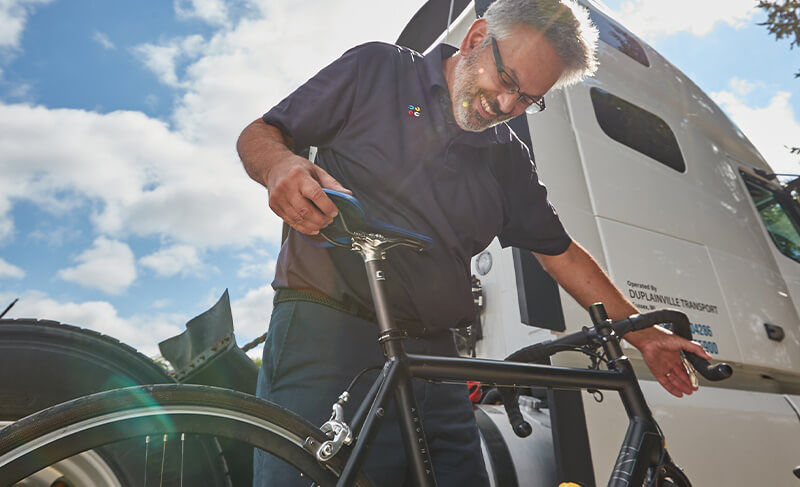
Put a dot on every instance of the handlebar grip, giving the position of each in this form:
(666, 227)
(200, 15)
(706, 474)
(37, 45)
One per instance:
(711, 372)
(679, 324)
(532, 353)
(521, 427)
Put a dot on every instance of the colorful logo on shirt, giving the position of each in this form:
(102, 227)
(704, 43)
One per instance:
(414, 111)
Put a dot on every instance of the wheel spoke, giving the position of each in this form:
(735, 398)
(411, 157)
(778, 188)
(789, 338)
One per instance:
(183, 442)
(163, 457)
(146, 457)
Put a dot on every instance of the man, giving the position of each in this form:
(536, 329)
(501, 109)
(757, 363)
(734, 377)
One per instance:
(420, 141)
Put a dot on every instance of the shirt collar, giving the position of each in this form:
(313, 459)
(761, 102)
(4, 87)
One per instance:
(433, 64)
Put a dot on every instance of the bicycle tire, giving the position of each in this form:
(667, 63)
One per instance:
(89, 422)
(44, 363)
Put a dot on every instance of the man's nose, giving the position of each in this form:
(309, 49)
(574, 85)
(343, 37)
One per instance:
(507, 102)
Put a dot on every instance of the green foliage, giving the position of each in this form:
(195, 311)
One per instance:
(783, 21)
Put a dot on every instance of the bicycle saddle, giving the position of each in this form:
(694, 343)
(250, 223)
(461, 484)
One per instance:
(352, 222)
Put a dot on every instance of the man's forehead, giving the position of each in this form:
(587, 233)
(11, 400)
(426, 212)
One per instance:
(530, 57)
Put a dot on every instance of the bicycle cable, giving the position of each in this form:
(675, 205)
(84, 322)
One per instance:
(359, 375)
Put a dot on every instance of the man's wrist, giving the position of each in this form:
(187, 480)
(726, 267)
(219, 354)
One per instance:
(641, 338)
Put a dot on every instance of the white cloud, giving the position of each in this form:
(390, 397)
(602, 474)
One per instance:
(741, 87)
(13, 16)
(655, 18)
(173, 260)
(108, 266)
(183, 183)
(141, 331)
(161, 303)
(151, 101)
(214, 12)
(103, 40)
(54, 236)
(163, 59)
(251, 313)
(259, 264)
(139, 177)
(771, 128)
(10, 271)
(245, 70)
(6, 223)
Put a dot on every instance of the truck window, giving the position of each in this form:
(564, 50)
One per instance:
(637, 128)
(780, 225)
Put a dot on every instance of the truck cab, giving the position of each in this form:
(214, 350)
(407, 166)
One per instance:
(682, 211)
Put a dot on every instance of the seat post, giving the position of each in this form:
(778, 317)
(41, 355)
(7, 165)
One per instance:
(373, 256)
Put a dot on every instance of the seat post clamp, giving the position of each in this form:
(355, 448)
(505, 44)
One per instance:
(395, 334)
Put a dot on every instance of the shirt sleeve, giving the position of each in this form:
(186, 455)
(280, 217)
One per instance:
(316, 111)
(530, 222)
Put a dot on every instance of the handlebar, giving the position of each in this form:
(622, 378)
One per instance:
(678, 323)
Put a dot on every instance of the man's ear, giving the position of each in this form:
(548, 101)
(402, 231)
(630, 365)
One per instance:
(474, 38)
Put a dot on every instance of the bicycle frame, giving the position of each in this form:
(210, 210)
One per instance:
(641, 448)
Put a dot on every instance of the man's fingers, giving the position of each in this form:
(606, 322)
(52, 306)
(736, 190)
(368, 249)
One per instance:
(697, 349)
(677, 385)
(307, 210)
(296, 220)
(313, 191)
(667, 384)
(327, 181)
(680, 379)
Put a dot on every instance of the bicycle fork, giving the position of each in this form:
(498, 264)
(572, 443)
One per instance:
(642, 446)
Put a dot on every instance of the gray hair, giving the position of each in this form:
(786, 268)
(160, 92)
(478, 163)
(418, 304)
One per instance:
(563, 23)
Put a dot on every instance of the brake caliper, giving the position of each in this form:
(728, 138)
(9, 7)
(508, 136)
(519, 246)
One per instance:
(337, 430)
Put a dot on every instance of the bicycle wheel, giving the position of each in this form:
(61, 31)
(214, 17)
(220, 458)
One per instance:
(156, 425)
(44, 363)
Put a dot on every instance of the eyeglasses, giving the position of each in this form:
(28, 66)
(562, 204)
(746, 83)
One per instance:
(533, 104)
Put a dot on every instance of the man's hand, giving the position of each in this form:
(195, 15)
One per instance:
(294, 183)
(660, 349)
(295, 194)
(577, 272)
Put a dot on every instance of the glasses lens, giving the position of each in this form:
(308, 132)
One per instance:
(535, 106)
(508, 81)
(533, 109)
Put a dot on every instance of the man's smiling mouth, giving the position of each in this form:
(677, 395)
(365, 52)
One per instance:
(486, 106)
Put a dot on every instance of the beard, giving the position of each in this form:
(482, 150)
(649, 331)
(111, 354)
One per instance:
(466, 95)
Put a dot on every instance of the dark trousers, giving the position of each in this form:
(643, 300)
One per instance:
(311, 354)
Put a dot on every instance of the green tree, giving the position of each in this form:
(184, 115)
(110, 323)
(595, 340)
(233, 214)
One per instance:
(783, 21)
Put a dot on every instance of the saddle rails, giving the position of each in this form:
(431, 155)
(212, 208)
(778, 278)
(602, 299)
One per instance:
(678, 206)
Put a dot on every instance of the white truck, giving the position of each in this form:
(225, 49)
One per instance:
(649, 175)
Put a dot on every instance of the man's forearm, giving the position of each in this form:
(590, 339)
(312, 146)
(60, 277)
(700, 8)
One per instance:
(261, 146)
(295, 184)
(583, 278)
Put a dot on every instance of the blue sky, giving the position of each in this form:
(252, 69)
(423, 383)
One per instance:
(123, 206)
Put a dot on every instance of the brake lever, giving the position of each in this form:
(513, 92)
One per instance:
(690, 370)
(713, 373)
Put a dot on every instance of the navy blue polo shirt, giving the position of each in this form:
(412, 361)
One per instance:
(381, 118)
